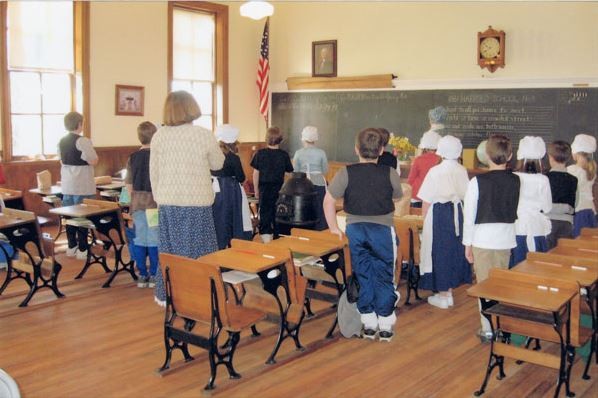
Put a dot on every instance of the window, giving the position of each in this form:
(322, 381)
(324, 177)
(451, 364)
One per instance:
(42, 74)
(198, 57)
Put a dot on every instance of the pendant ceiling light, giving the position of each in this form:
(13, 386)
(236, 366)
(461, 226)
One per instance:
(257, 9)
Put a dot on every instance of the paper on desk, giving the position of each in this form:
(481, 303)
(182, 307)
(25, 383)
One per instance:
(236, 277)
(152, 217)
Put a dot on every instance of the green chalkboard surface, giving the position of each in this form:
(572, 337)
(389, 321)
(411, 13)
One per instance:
(553, 113)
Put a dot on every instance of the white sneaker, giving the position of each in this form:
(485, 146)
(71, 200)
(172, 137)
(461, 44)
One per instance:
(81, 255)
(71, 252)
(438, 301)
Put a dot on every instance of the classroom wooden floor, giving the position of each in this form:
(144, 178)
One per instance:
(108, 343)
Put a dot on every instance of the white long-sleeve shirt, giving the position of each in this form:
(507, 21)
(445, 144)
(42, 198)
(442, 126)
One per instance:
(585, 198)
(535, 202)
(496, 236)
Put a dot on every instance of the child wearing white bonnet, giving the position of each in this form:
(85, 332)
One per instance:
(535, 200)
(231, 213)
(583, 148)
(443, 263)
(313, 161)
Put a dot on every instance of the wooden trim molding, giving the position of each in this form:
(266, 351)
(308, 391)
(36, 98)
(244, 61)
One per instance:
(220, 103)
(336, 83)
(81, 50)
(5, 100)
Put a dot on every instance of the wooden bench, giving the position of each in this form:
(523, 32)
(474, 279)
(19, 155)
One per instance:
(35, 262)
(195, 293)
(585, 244)
(530, 305)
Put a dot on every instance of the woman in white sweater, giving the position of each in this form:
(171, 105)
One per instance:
(182, 156)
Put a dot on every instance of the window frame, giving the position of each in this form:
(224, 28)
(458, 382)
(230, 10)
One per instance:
(220, 92)
(81, 66)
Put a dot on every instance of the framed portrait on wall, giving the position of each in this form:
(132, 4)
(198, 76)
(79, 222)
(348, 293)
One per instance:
(323, 58)
(129, 100)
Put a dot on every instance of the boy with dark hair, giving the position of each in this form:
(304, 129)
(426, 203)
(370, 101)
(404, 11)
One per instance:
(490, 211)
(269, 167)
(368, 190)
(563, 187)
(387, 158)
(138, 184)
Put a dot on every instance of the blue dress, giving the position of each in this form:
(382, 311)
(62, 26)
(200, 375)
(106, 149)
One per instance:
(450, 268)
(186, 231)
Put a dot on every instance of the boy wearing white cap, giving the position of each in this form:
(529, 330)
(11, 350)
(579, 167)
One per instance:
(230, 209)
(313, 162)
(422, 164)
(443, 264)
(535, 200)
(584, 169)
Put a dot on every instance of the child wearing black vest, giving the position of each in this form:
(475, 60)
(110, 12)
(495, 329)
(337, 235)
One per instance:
(138, 183)
(563, 187)
(368, 190)
(490, 211)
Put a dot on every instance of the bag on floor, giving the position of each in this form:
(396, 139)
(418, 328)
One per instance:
(352, 288)
(349, 319)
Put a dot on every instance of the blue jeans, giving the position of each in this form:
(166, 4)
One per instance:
(74, 235)
(145, 243)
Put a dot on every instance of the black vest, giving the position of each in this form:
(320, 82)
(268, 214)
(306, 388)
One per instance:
(139, 167)
(563, 187)
(69, 154)
(369, 190)
(498, 197)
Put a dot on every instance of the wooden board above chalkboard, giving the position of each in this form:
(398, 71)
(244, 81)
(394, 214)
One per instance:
(473, 114)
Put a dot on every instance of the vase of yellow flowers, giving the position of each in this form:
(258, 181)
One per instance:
(402, 148)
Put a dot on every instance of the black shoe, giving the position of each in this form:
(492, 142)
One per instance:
(385, 335)
(369, 334)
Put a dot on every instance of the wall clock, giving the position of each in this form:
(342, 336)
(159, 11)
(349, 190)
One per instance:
(491, 49)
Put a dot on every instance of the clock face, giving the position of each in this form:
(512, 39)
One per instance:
(490, 48)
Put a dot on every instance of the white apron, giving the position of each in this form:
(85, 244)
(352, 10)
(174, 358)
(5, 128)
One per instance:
(425, 266)
(246, 212)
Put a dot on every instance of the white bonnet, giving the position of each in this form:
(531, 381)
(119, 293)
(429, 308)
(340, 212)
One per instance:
(309, 133)
(429, 140)
(227, 133)
(531, 148)
(449, 147)
(584, 143)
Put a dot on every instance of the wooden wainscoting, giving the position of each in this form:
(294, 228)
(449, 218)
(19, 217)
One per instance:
(246, 152)
(21, 175)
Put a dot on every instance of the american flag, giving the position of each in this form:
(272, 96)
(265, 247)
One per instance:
(263, 72)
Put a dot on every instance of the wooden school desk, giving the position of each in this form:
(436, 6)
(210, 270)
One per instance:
(12, 198)
(23, 232)
(106, 219)
(272, 271)
(575, 252)
(533, 306)
(334, 254)
(588, 244)
(571, 270)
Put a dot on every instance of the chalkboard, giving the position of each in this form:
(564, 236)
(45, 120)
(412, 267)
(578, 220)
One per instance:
(552, 113)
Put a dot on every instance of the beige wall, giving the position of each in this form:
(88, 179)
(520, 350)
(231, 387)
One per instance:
(416, 41)
(128, 46)
(437, 40)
